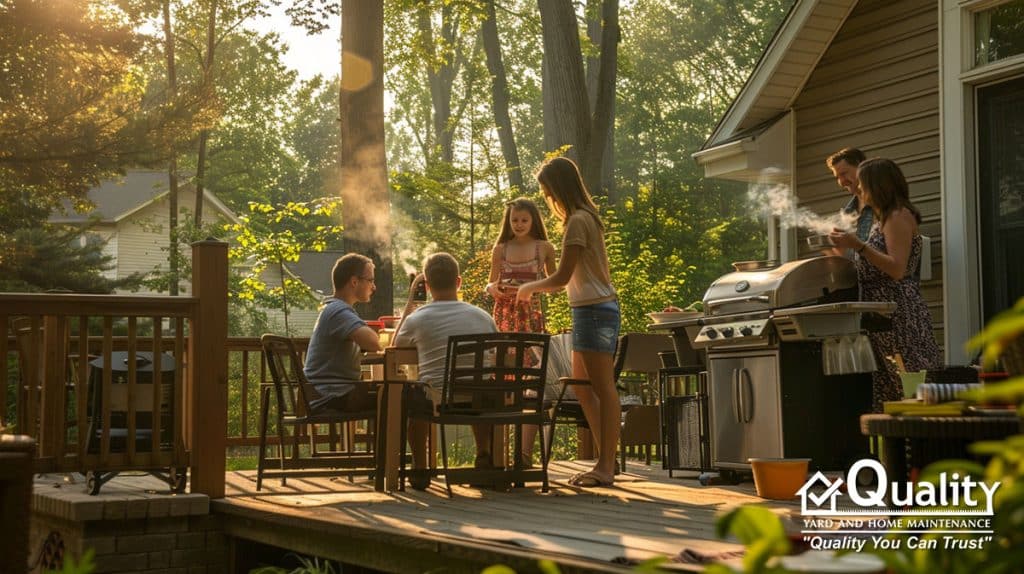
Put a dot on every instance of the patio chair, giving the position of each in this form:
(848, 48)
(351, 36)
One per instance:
(293, 395)
(636, 353)
(493, 379)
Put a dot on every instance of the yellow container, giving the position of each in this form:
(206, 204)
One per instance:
(779, 478)
(910, 383)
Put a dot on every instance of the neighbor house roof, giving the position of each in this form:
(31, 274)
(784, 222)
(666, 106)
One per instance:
(314, 269)
(783, 69)
(116, 199)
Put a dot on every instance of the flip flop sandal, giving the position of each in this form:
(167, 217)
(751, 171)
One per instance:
(589, 480)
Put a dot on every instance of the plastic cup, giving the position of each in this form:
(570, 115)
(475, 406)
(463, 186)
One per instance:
(911, 381)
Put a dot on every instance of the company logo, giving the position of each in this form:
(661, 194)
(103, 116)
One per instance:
(838, 518)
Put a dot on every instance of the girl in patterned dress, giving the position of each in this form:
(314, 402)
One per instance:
(887, 266)
(521, 254)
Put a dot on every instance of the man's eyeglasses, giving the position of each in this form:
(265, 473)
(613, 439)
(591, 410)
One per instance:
(370, 279)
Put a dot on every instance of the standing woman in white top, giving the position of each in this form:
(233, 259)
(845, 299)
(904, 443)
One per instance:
(583, 272)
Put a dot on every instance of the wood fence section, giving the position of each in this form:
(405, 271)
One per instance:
(84, 407)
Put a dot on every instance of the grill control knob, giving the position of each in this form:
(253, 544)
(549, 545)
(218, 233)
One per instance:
(746, 331)
(727, 331)
(711, 333)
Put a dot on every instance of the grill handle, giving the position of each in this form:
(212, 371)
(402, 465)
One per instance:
(712, 305)
(737, 404)
(747, 403)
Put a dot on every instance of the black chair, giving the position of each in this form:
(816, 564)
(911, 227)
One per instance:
(293, 395)
(492, 379)
(636, 354)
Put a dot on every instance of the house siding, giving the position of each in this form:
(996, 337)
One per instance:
(142, 241)
(300, 321)
(877, 88)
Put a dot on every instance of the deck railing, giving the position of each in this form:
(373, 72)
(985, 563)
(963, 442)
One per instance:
(84, 401)
(247, 374)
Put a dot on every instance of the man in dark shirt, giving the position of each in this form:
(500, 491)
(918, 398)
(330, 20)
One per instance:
(843, 165)
(340, 337)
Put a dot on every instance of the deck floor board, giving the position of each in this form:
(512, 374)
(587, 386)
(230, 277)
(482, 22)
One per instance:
(644, 515)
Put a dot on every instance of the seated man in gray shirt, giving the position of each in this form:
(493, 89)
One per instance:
(428, 328)
(340, 337)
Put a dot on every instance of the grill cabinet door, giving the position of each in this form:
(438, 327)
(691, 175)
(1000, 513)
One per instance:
(726, 425)
(745, 409)
(760, 406)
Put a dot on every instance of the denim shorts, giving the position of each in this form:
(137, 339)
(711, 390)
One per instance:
(596, 327)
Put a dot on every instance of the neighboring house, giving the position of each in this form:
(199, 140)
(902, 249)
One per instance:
(133, 214)
(935, 85)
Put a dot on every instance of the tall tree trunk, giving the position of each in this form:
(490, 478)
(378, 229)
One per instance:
(603, 112)
(594, 32)
(551, 138)
(172, 164)
(576, 124)
(441, 73)
(499, 96)
(364, 179)
(204, 135)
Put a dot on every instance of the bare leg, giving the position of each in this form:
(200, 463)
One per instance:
(526, 449)
(418, 432)
(482, 436)
(588, 401)
(601, 370)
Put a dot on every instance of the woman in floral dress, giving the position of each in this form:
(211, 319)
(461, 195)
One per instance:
(887, 265)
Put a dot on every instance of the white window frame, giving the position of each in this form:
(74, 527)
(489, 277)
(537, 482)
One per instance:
(959, 81)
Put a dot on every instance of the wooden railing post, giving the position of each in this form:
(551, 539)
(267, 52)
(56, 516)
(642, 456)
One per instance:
(208, 359)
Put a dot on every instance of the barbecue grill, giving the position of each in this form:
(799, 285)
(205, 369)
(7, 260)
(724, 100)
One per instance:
(763, 327)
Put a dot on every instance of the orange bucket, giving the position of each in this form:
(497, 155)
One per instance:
(779, 478)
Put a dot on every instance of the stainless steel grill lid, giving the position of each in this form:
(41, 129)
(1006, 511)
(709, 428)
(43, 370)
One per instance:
(770, 286)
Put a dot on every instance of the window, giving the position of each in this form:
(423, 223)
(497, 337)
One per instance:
(999, 32)
(1001, 193)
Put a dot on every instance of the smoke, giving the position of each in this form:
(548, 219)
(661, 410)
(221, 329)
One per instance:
(409, 253)
(776, 199)
(366, 205)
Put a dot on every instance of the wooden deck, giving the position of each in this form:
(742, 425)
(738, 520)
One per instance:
(646, 514)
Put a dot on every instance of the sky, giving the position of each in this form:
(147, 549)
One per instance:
(309, 55)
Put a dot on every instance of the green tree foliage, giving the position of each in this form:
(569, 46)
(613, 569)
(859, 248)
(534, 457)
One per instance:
(51, 257)
(265, 240)
(671, 231)
(311, 134)
(74, 112)
(681, 65)
(70, 102)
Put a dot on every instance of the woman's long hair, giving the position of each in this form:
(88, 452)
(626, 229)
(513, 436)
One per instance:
(886, 188)
(537, 230)
(567, 194)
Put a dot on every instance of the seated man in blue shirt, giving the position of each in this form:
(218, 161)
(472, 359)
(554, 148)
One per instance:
(428, 329)
(340, 337)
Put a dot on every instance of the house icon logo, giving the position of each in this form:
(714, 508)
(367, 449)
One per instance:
(823, 503)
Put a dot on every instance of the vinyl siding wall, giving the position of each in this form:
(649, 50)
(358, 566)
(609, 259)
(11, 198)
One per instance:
(142, 241)
(877, 88)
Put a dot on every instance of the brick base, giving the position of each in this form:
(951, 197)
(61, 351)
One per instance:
(129, 531)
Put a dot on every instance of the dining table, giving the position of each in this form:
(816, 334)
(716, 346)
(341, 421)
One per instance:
(390, 371)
